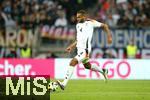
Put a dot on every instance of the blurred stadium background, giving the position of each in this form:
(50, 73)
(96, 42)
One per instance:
(44, 28)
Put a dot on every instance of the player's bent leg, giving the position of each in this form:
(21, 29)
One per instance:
(87, 65)
(69, 73)
(93, 67)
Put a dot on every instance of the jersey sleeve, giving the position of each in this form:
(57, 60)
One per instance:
(96, 23)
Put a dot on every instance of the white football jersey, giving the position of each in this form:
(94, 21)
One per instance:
(85, 33)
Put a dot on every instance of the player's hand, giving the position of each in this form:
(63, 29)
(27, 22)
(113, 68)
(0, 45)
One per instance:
(109, 39)
(68, 49)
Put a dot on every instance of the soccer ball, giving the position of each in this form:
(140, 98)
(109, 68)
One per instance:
(52, 86)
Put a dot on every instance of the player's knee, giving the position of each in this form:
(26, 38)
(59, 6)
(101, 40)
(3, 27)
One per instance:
(87, 65)
(73, 62)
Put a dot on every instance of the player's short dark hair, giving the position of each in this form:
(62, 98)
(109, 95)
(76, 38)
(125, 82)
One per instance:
(83, 12)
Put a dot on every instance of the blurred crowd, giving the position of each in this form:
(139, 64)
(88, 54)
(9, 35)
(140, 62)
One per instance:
(124, 13)
(30, 13)
(33, 13)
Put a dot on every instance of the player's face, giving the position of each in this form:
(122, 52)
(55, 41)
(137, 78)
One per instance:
(80, 18)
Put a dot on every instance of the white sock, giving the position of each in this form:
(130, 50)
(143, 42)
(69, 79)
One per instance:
(96, 68)
(68, 75)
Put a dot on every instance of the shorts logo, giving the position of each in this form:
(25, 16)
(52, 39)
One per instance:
(80, 54)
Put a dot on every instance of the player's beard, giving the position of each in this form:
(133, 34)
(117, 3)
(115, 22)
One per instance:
(81, 21)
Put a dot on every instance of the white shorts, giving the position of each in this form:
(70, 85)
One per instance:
(82, 55)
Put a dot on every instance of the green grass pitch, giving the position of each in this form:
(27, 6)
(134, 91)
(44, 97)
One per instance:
(99, 90)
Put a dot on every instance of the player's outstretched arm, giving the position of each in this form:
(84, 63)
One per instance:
(71, 47)
(104, 27)
(107, 30)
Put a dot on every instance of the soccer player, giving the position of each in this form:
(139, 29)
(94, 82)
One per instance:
(84, 27)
